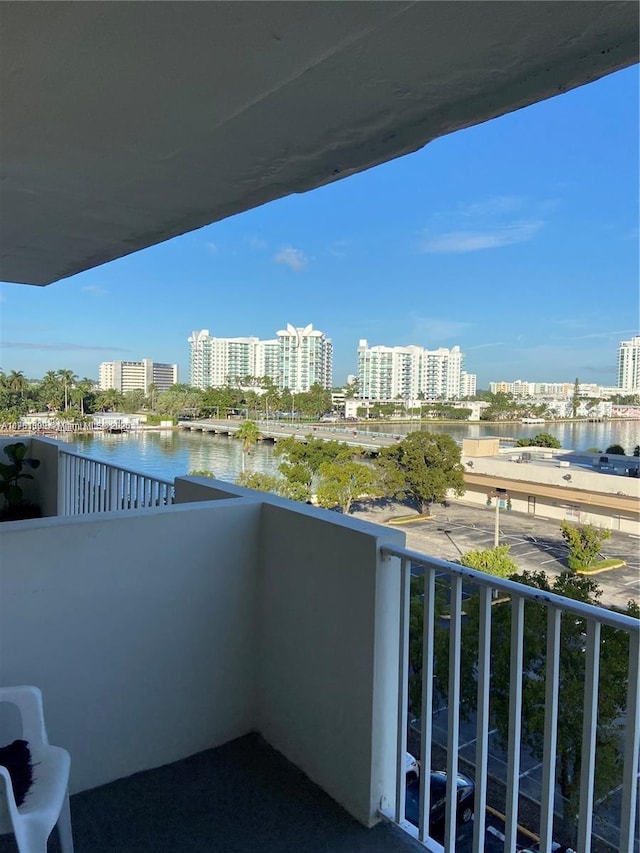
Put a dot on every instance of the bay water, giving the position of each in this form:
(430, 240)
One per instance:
(171, 453)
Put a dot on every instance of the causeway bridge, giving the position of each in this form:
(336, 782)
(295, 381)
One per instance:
(275, 430)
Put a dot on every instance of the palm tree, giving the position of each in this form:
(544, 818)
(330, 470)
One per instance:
(249, 433)
(50, 390)
(68, 378)
(110, 400)
(152, 391)
(83, 387)
(17, 382)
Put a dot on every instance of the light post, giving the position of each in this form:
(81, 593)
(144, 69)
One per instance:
(499, 494)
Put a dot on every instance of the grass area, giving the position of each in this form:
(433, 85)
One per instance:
(407, 519)
(601, 566)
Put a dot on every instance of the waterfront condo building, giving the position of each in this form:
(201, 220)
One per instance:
(412, 372)
(297, 359)
(133, 375)
(216, 362)
(629, 365)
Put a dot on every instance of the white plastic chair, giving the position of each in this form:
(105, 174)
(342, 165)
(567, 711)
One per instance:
(47, 802)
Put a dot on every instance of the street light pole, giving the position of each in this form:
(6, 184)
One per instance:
(499, 494)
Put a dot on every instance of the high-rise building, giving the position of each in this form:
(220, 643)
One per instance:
(305, 358)
(297, 359)
(629, 365)
(468, 384)
(411, 372)
(216, 362)
(137, 375)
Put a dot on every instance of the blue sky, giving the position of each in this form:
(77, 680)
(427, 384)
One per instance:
(516, 239)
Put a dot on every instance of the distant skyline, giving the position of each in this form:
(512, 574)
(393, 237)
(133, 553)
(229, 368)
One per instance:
(516, 240)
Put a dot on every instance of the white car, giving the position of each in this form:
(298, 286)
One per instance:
(411, 767)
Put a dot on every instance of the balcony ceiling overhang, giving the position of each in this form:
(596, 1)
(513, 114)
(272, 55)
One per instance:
(125, 124)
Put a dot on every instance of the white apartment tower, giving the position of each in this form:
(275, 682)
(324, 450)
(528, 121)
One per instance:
(137, 375)
(629, 365)
(305, 359)
(296, 359)
(411, 372)
(216, 362)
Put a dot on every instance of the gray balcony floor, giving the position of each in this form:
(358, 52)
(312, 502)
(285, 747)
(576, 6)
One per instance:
(243, 796)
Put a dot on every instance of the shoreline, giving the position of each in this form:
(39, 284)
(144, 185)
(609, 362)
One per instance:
(360, 424)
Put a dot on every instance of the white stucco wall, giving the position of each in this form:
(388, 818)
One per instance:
(138, 627)
(158, 633)
(328, 667)
(43, 488)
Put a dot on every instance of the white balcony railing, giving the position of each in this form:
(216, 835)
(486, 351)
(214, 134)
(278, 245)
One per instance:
(88, 486)
(592, 620)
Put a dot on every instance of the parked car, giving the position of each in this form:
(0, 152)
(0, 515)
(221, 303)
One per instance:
(438, 791)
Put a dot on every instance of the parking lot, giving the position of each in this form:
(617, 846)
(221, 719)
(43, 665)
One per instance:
(536, 544)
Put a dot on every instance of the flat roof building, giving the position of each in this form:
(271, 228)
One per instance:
(137, 375)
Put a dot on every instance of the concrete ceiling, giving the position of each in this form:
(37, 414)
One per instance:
(125, 124)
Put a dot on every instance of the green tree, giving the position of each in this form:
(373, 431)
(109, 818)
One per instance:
(133, 400)
(109, 400)
(249, 433)
(180, 401)
(613, 678)
(17, 382)
(152, 394)
(340, 483)
(423, 467)
(259, 481)
(636, 450)
(615, 450)
(584, 542)
(542, 439)
(501, 406)
(50, 391)
(202, 472)
(314, 402)
(68, 379)
(493, 561)
(83, 394)
(302, 459)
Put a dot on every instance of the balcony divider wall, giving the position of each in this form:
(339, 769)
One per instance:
(160, 632)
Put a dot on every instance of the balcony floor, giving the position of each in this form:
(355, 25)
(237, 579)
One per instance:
(243, 796)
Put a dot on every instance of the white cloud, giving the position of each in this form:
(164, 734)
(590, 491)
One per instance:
(93, 288)
(212, 247)
(293, 258)
(258, 244)
(496, 206)
(460, 242)
(436, 332)
(485, 346)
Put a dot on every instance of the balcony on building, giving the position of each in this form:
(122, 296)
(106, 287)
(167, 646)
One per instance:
(197, 643)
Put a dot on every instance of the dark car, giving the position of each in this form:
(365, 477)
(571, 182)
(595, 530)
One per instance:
(438, 793)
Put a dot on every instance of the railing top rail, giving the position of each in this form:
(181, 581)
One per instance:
(118, 467)
(569, 605)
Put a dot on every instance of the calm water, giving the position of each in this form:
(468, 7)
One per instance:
(168, 453)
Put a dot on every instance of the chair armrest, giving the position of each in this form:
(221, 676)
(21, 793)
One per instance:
(8, 807)
(29, 702)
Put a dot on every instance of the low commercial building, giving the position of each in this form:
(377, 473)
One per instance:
(585, 488)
